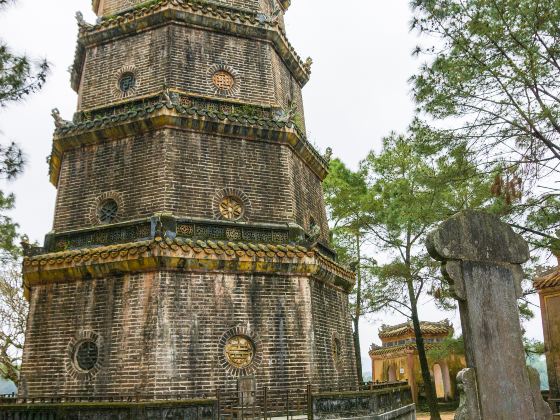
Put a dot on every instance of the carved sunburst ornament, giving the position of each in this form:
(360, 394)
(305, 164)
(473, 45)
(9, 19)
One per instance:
(231, 208)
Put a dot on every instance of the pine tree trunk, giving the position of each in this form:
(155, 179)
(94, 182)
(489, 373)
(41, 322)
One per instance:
(356, 317)
(356, 336)
(424, 367)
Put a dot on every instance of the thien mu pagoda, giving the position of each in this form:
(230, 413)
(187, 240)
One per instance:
(188, 273)
(189, 247)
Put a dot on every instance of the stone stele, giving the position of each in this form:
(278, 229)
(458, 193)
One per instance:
(482, 260)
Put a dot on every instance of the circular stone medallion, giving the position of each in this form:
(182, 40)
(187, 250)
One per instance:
(108, 211)
(239, 351)
(223, 80)
(231, 208)
(127, 82)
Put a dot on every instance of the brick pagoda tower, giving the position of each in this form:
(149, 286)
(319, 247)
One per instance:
(190, 243)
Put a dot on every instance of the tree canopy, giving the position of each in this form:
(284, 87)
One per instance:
(495, 68)
(20, 76)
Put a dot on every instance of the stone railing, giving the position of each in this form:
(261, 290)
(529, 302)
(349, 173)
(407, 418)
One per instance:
(388, 404)
(203, 409)
(168, 226)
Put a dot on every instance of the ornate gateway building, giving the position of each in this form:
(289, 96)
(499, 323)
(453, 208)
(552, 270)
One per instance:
(190, 240)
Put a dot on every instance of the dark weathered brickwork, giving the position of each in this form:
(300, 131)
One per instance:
(177, 57)
(132, 167)
(160, 333)
(147, 53)
(181, 172)
(191, 67)
(190, 216)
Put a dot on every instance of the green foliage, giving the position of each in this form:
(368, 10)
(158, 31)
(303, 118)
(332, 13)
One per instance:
(392, 201)
(346, 197)
(8, 229)
(13, 318)
(494, 70)
(533, 347)
(19, 76)
(451, 346)
(544, 216)
(11, 161)
(415, 182)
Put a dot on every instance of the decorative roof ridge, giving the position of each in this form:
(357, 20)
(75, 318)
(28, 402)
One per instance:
(205, 7)
(168, 100)
(550, 278)
(185, 254)
(380, 351)
(195, 245)
(65, 127)
(443, 326)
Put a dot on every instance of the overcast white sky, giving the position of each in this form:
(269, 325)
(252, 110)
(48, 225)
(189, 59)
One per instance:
(358, 93)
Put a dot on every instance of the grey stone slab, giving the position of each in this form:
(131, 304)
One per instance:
(477, 236)
(481, 260)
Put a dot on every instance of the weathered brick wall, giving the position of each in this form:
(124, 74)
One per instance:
(196, 54)
(308, 199)
(131, 167)
(181, 172)
(200, 166)
(185, 59)
(287, 89)
(147, 52)
(331, 318)
(160, 333)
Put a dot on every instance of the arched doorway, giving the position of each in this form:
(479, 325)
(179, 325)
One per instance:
(438, 379)
(392, 373)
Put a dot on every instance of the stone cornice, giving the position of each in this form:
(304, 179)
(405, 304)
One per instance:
(167, 114)
(185, 256)
(196, 13)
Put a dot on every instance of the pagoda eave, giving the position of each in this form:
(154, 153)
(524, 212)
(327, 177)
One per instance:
(184, 255)
(162, 116)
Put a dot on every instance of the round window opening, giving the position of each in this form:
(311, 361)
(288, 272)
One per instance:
(108, 211)
(127, 82)
(239, 351)
(231, 208)
(87, 354)
(223, 80)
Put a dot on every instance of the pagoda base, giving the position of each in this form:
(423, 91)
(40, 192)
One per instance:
(179, 319)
